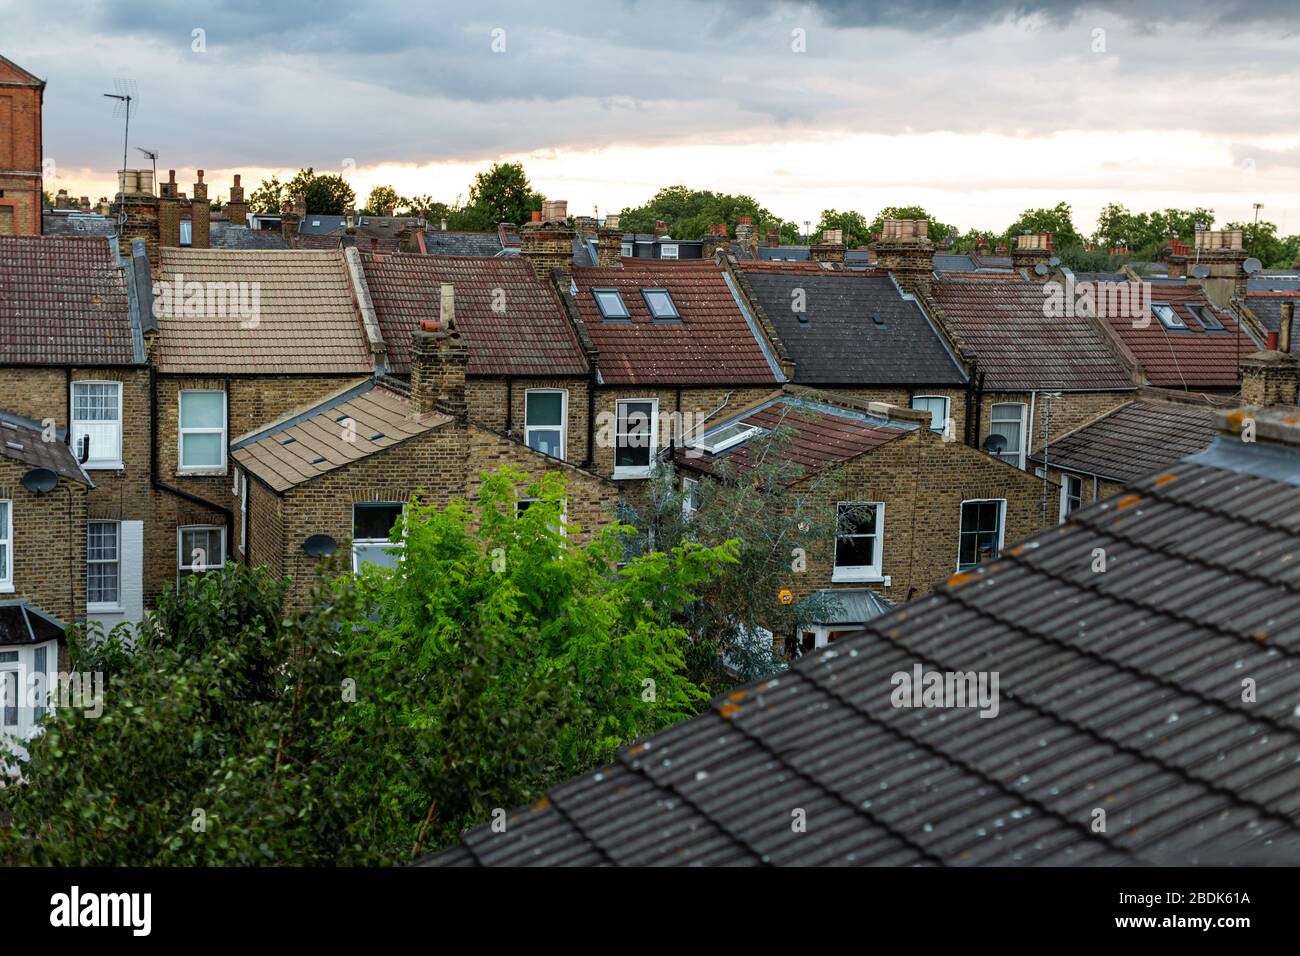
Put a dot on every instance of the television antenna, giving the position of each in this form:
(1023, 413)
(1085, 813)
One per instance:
(153, 158)
(128, 98)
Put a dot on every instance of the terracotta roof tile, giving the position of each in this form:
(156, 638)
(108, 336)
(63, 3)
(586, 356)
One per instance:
(711, 344)
(307, 320)
(1000, 320)
(512, 322)
(63, 301)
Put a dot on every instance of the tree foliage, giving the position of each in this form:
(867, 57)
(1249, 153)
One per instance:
(396, 710)
(499, 194)
(690, 212)
(325, 194)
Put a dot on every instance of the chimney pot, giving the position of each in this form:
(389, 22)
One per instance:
(537, 217)
(1288, 317)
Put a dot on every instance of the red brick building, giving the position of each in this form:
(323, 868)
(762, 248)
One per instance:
(21, 150)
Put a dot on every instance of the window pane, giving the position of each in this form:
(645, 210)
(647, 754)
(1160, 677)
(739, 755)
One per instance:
(856, 551)
(374, 522)
(857, 519)
(634, 434)
(544, 408)
(94, 402)
(611, 304)
(39, 665)
(661, 304)
(380, 555)
(202, 409)
(201, 451)
(207, 543)
(9, 691)
(546, 440)
(938, 409)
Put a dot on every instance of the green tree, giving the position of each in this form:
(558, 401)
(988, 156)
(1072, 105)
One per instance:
(497, 195)
(428, 209)
(857, 231)
(269, 197)
(383, 198)
(392, 713)
(1261, 240)
(690, 212)
(326, 195)
(936, 230)
(1057, 220)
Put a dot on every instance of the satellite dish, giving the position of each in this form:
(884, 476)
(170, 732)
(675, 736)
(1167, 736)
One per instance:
(1040, 269)
(995, 444)
(320, 545)
(1200, 272)
(1252, 265)
(1054, 261)
(40, 480)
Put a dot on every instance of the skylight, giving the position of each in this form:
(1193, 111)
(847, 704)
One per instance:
(660, 304)
(1205, 315)
(610, 304)
(1167, 316)
(726, 436)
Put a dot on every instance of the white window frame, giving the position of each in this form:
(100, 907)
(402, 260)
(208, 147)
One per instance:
(7, 541)
(1175, 320)
(185, 235)
(625, 250)
(689, 506)
(665, 253)
(858, 573)
(564, 420)
(1024, 412)
(1002, 525)
(943, 418)
(1066, 497)
(100, 607)
(637, 471)
(387, 543)
(182, 558)
(181, 432)
(96, 461)
(243, 512)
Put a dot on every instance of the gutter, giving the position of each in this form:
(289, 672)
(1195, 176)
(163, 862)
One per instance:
(163, 486)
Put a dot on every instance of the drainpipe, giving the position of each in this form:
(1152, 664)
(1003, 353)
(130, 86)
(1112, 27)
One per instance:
(178, 492)
(510, 405)
(591, 415)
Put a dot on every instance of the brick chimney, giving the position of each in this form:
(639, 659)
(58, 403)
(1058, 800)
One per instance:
(831, 248)
(586, 226)
(200, 215)
(609, 243)
(135, 198)
(904, 248)
(1175, 258)
(715, 241)
(291, 217)
(169, 212)
(1222, 253)
(61, 200)
(236, 208)
(745, 234)
(439, 360)
(548, 243)
(1032, 250)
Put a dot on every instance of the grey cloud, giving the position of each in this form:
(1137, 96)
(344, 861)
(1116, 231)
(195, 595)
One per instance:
(1262, 158)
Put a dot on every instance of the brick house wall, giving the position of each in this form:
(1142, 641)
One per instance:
(49, 543)
(1069, 412)
(445, 464)
(922, 481)
(486, 398)
(902, 397)
(21, 153)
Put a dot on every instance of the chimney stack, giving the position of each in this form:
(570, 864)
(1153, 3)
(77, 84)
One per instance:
(1032, 250)
(439, 360)
(547, 241)
(609, 243)
(200, 215)
(1222, 252)
(773, 237)
(291, 216)
(831, 248)
(1272, 377)
(904, 249)
(236, 208)
(746, 236)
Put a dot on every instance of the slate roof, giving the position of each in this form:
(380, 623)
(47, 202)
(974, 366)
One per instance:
(21, 622)
(445, 243)
(20, 440)
(714, 343)
(335, 241)
(1284, 280)
(1119, 691)
(84, 224)
(954, 262)
(1267, 307)
(224, 235)
(313, 442)
(841, 343)
(530, 333)
(785, 253)
(63, 301)
(307, 318)
(820, 435)
(999, 320)
(1133, 440)
(1190, 358)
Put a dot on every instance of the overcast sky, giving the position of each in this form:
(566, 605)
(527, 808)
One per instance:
(973, 109)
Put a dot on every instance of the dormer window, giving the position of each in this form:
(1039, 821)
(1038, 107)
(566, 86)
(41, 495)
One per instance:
(625, 250)
(1205, 315)
(660, 304)
(1167, 316)
(668, 250)
(610, 303)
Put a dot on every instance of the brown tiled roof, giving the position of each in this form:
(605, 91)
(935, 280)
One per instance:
(63, 301)
(1134, 440)
(315, 441)
(527, 334)
(20, 439)
(1190, 358)
(819, 435)
(307, 322)
(713, 343)
(1000, 320)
